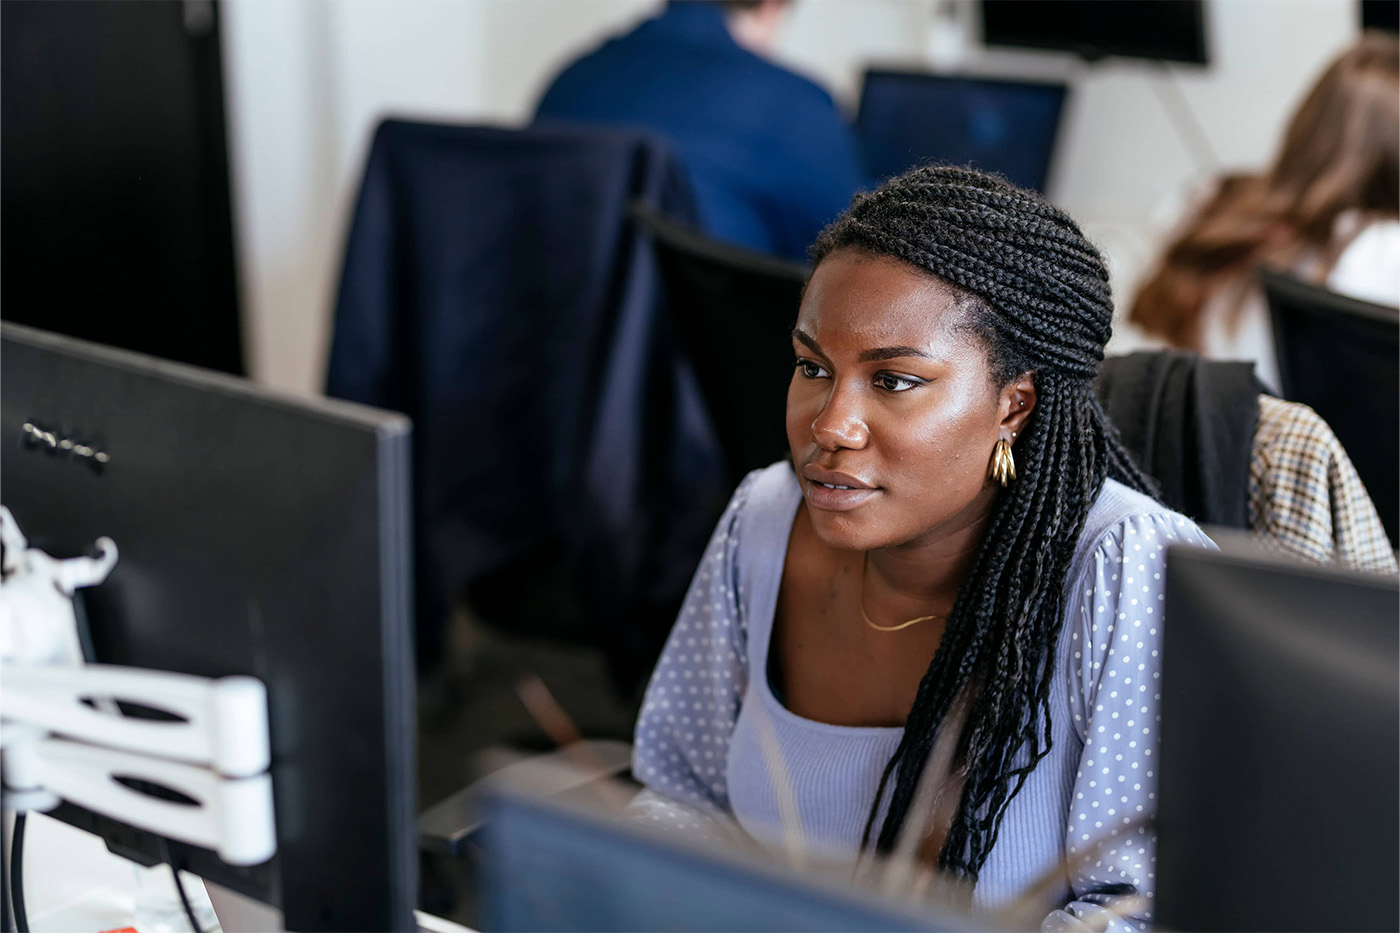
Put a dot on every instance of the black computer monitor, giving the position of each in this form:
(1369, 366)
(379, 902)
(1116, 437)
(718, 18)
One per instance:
(1168, 30)
(1380, 14)
(260, 535)
(1279, 775)
(559, 865)
(908, 118)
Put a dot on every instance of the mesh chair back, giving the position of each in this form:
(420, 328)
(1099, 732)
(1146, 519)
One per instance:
(734, 310)
(1341, 357)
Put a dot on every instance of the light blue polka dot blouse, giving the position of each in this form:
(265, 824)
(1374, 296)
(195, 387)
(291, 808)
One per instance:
(714, 746)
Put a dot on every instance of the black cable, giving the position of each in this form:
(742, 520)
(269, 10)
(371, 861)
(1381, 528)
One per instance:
(5, 921)
(17, 874)
(180, 888)
(80, 617)
(1183, 118)
(185, 900)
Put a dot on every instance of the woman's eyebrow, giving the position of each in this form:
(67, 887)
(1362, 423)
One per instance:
(807, 340)
(892, 353)
(866, 356)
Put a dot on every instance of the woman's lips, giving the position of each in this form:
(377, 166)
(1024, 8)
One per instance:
(830, 497)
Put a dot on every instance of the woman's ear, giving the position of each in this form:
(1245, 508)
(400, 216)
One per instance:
(1017, 403)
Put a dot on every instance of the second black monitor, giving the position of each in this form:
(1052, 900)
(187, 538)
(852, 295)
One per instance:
(1280, 765)
(910, 118)
(258, 535)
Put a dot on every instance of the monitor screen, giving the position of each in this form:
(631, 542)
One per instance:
(1170, 30)
(911, 118)
(257, 535)
(1279, 788)
(551, 865)
(1380, 14)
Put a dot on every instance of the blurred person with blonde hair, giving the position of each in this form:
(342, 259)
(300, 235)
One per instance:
(769, 157)
(1328, 211)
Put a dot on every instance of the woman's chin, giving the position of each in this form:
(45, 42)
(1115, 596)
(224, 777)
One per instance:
(844, 531)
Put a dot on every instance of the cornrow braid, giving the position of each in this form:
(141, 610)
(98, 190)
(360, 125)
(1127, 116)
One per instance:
(1034, 289)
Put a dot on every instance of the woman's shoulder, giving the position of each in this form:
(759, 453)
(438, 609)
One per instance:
(1369, 267)
(755, 531)
(764, 495)
(1115, 597)
(1122, 518)
(759, 515)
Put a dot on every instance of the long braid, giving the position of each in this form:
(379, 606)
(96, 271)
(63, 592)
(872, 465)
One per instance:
(1037, 292)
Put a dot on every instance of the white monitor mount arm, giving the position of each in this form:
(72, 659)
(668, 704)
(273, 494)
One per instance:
(63, 736)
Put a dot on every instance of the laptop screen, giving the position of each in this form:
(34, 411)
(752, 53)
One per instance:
(910, 118)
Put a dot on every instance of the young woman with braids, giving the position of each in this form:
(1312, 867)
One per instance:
(959, 553)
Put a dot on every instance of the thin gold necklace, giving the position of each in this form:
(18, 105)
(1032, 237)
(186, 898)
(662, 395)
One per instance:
(864, 571)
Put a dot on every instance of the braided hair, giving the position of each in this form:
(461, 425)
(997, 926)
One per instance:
(1032, 287)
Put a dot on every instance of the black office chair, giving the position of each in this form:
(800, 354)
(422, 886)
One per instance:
(1341, 357)
(733, 310)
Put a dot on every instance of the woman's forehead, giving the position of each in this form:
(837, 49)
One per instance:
(857, 301)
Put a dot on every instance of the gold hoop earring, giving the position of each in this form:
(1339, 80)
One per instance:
(1003, 464)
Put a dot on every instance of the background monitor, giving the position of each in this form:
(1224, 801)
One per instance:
(552, 865)
(910, 118)
(1280, 759)
(1170, 30)
(257, 535)
(1380, 14)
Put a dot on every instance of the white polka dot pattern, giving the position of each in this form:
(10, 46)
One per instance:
(681, 745)
(1114, 698)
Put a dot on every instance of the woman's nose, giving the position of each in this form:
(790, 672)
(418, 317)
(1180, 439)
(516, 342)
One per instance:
(840, 423)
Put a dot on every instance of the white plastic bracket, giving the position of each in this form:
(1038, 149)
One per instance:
(220, 722)
(232, 816)
(37, 621)
(63, 735)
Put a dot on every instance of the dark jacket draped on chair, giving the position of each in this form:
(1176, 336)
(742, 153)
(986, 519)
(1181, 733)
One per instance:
(1190, 424)
(496, 290)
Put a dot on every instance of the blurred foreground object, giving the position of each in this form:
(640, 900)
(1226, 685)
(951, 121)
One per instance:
(557, 865)
(1280, 763)
(261, 537)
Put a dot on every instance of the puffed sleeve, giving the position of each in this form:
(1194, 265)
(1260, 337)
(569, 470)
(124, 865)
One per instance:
(691, 704)
(1114, 695)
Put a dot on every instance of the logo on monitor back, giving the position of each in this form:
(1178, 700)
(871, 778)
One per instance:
(57, 444)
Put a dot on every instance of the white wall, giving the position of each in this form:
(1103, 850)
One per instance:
(309, 79)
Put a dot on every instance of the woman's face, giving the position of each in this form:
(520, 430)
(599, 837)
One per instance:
(889, 397)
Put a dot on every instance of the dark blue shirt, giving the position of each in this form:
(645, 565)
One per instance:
(770, 159)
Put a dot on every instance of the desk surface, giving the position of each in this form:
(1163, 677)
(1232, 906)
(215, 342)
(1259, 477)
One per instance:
(72, 884)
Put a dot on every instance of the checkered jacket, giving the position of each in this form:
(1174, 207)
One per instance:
(1305, 494)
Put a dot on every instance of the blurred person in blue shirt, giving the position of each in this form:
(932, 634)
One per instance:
(769, 157)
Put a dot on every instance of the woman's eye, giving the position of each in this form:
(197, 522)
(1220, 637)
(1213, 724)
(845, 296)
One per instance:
(892, 383)
(810, 370)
